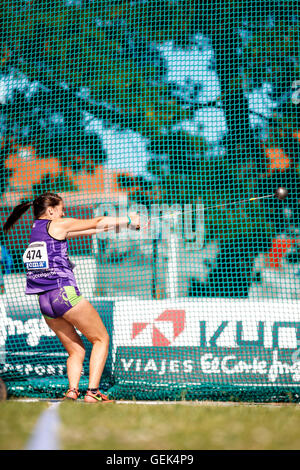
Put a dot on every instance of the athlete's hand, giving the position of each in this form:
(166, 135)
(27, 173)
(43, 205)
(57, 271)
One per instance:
(135, 221)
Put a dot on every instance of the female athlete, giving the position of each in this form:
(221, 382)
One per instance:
(50, 275)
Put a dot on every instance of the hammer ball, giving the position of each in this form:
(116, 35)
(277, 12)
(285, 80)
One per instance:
(281, 193)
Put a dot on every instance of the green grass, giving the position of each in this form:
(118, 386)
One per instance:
(17, 421)
(171, 427)
(179, 426)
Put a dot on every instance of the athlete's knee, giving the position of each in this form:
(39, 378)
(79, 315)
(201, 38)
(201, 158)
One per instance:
(77, 351)
(106, 339)
(102, 338)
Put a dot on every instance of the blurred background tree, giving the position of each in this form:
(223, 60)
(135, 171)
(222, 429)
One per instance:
(101, 59)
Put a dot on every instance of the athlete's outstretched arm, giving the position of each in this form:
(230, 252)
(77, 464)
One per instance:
(70, 228)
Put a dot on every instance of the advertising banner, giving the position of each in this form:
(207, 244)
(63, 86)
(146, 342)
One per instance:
(28, 348)
(206, 341)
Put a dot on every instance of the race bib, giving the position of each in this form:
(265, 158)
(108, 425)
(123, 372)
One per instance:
(36, 256)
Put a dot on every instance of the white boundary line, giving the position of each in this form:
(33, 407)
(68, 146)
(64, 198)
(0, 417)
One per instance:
(45, 434)
(186, 403)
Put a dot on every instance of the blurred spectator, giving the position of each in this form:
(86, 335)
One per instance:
(6, 259)
(5, 173)
(6, 264)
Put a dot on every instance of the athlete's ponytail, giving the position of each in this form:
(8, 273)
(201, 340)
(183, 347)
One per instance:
(18, 211)
(40, 204)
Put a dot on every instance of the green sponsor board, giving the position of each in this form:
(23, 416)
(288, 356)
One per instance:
(225, 343)
(29, 349)
(195, 365)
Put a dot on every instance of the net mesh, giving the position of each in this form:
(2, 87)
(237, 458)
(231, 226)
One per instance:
(188, 112)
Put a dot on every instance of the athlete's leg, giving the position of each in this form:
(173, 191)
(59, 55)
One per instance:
(74, 346)
(87, 320)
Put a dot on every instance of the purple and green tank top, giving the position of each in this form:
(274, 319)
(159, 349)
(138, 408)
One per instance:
(46, 261)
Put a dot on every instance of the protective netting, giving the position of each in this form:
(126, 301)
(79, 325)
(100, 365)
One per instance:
(188, 112)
